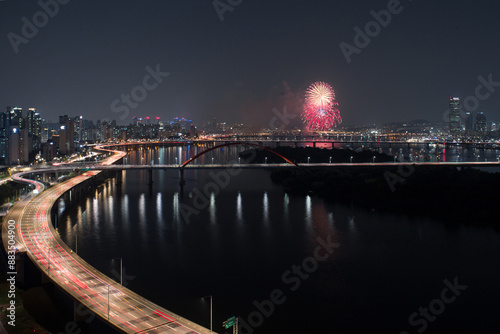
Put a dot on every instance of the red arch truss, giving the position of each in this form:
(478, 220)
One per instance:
(234, 144)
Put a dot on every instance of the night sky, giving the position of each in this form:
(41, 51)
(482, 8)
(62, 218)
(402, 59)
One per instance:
(263, 55)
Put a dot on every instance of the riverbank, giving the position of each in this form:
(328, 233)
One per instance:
(458, 195)
(315, 155)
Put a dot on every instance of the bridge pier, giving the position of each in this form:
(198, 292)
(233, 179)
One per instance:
(314, 144)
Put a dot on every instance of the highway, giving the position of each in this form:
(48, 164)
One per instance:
(124, 309)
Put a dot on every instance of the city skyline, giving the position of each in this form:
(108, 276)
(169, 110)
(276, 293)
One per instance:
(216, 166)
(255, 60)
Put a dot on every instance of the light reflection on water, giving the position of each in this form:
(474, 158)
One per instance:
(239, 209)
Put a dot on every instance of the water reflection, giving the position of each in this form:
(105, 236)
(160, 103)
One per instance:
(159, 211)
(111, 213)
(95, 211)
(265, 206)
(176, 209)
(239, 209)
(286, 203)
(212, 209)
(142, 209)
(125, 210)
(308, 213)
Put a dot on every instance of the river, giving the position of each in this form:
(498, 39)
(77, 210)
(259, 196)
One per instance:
(284, 263)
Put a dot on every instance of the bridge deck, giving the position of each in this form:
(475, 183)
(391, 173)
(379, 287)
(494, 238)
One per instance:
(121, 307)
(285, 165)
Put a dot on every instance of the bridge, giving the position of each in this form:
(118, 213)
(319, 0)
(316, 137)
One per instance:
(36, 237)
(287, 164)
(298, 141)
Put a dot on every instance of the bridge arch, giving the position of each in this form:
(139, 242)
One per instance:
(234, 144)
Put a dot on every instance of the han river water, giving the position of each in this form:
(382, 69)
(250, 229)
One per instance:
(249, 242)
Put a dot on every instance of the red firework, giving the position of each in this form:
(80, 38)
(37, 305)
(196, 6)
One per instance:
(320, 108)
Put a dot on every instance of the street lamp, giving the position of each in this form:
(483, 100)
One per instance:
(308, 158)
(109, 285)
(373, 159)
(330, 159)
(212, 161)
(266, 160)
(351, 158)
(210, 310)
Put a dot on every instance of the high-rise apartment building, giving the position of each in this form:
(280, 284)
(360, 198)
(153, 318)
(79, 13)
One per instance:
(455, 124)
(66, 135)
(481, 125)
(469, 122)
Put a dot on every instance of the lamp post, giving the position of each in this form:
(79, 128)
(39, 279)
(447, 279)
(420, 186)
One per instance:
(308, 159)
(351, 158)
(330, 159)
(373, 159)
(210, 310)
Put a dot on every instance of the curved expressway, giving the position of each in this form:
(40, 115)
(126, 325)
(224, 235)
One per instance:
(121, 307)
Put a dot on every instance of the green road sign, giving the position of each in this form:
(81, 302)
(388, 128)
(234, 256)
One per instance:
(229, 322)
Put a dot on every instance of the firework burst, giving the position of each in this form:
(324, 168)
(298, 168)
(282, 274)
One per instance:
(320, 108)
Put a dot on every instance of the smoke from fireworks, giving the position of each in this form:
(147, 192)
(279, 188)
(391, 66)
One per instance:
(320, 108)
